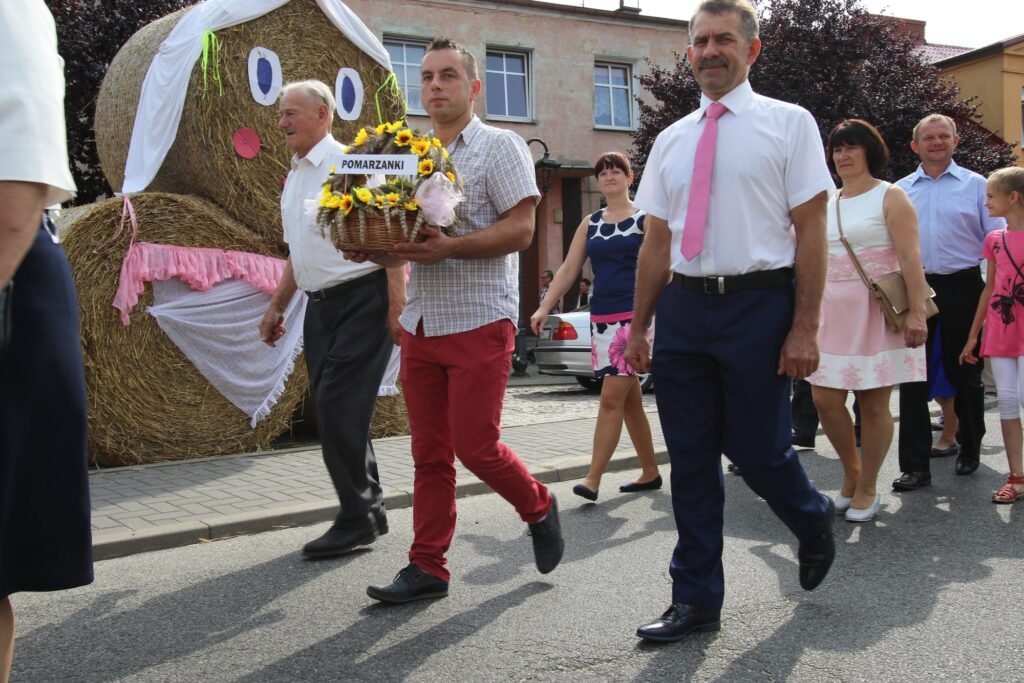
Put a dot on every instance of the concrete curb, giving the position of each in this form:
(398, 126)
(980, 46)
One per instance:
(119, 543)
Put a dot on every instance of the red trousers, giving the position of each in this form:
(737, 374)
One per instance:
(454, 386)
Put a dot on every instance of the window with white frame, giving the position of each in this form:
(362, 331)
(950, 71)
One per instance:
(508, 84)
(613, 95)
(406, 56)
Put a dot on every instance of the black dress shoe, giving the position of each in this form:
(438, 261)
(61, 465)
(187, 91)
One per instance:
(965, 465)
(816, 556)
(635, 486)
(679, 620)
(338, 541)
(912, 481)
(803, 440)
(412, 583)
(953, 449)
(548, 544)
(735, 469)
(583, 492)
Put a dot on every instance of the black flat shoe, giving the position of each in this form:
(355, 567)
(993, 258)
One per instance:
(965, 466)
(912, 481)
(583, 492)
(412, 583)
(817, 556)
(735, 469)
(635, 486)
(953, 449)
(339, 541)
(679, 620)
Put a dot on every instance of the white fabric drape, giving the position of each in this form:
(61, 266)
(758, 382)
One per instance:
(217, 330)
(166, 84)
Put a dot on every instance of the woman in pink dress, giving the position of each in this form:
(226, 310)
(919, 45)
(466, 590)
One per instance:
(858, 352)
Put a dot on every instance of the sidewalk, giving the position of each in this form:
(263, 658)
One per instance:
(150, 507)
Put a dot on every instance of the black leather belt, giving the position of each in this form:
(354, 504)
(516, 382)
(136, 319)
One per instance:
(347, 285)
(724, 284)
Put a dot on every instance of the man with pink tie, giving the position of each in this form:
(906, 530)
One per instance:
(735, 257)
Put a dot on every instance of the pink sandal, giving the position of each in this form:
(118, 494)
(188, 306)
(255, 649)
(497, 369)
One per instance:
(1008, 493)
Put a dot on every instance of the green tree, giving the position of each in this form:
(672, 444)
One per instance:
(837, 61)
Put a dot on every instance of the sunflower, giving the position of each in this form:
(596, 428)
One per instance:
(436, 142)
(450, 176)
(403, 138)
(426, 167)
(392, 198)
(392, 127)
(361, 137)
(411, 205)
(381, 129)
(420, 147)
(363, 195)
(345, 203)
(379, 201)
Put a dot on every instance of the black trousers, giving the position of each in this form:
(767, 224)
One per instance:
(956, 295)
(347, 348)
(804, 414)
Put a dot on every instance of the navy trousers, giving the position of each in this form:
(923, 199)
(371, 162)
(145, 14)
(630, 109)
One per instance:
(716, 357)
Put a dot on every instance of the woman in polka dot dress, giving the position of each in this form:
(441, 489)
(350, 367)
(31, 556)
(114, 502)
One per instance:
(611, 238)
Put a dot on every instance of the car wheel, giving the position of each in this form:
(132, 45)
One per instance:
(590, 384)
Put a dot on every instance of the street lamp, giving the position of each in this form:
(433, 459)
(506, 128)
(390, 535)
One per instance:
(547, 168)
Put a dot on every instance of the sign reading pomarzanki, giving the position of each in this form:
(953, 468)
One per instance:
(367, 164)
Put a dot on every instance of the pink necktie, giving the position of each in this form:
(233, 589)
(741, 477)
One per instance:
(700, 186)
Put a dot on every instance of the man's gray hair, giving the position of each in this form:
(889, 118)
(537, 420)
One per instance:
(748, 15)
(317, 91)
(932, 118)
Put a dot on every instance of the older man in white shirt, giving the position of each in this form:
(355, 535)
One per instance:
(735, 193)
(351, 322)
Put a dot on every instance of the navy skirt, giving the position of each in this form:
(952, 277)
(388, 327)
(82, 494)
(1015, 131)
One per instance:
(45, 534)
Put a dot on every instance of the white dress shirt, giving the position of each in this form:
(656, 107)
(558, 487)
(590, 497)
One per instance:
(315, 262)
(768, 159)
(33, 139)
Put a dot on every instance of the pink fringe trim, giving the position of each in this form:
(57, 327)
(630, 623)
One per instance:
(198, 267)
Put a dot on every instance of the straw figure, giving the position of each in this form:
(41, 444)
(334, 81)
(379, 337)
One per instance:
(215, 196)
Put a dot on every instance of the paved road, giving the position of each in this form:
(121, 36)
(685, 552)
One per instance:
(928, 592)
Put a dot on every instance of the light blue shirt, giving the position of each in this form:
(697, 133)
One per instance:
(952, 217)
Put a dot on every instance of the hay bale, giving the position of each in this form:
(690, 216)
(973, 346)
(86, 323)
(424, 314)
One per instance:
(389, 417)
(147, 402)
(203, 161)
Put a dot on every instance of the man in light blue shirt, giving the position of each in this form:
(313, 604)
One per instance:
(950, 203)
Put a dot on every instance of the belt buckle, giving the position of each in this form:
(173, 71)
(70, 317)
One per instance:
(719, 281)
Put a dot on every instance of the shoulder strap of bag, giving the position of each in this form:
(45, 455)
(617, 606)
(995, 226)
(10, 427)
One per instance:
(853, 257)
(1010, 256)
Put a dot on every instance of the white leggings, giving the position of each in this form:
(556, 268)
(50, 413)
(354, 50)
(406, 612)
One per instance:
(1009, 376)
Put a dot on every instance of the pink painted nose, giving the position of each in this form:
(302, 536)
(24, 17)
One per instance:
(246, 142)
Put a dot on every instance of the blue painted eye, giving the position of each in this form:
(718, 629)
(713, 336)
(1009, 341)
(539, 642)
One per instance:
(348, 91)
(264, 76)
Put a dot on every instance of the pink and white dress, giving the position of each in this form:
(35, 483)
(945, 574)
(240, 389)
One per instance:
(857, 350)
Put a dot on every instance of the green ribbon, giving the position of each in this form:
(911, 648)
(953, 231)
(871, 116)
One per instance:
(391, 81)
(211, 52)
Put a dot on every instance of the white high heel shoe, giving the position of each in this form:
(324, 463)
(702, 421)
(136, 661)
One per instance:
(865, 515)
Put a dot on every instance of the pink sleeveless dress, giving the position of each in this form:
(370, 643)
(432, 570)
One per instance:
(857, 350)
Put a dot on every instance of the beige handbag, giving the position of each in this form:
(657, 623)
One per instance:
(890, 289)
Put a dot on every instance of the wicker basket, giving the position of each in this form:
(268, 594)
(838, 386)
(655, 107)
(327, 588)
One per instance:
(375, 231)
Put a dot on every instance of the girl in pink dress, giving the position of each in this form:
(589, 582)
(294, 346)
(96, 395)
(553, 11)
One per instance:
(858, 352)
(1001, 308)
